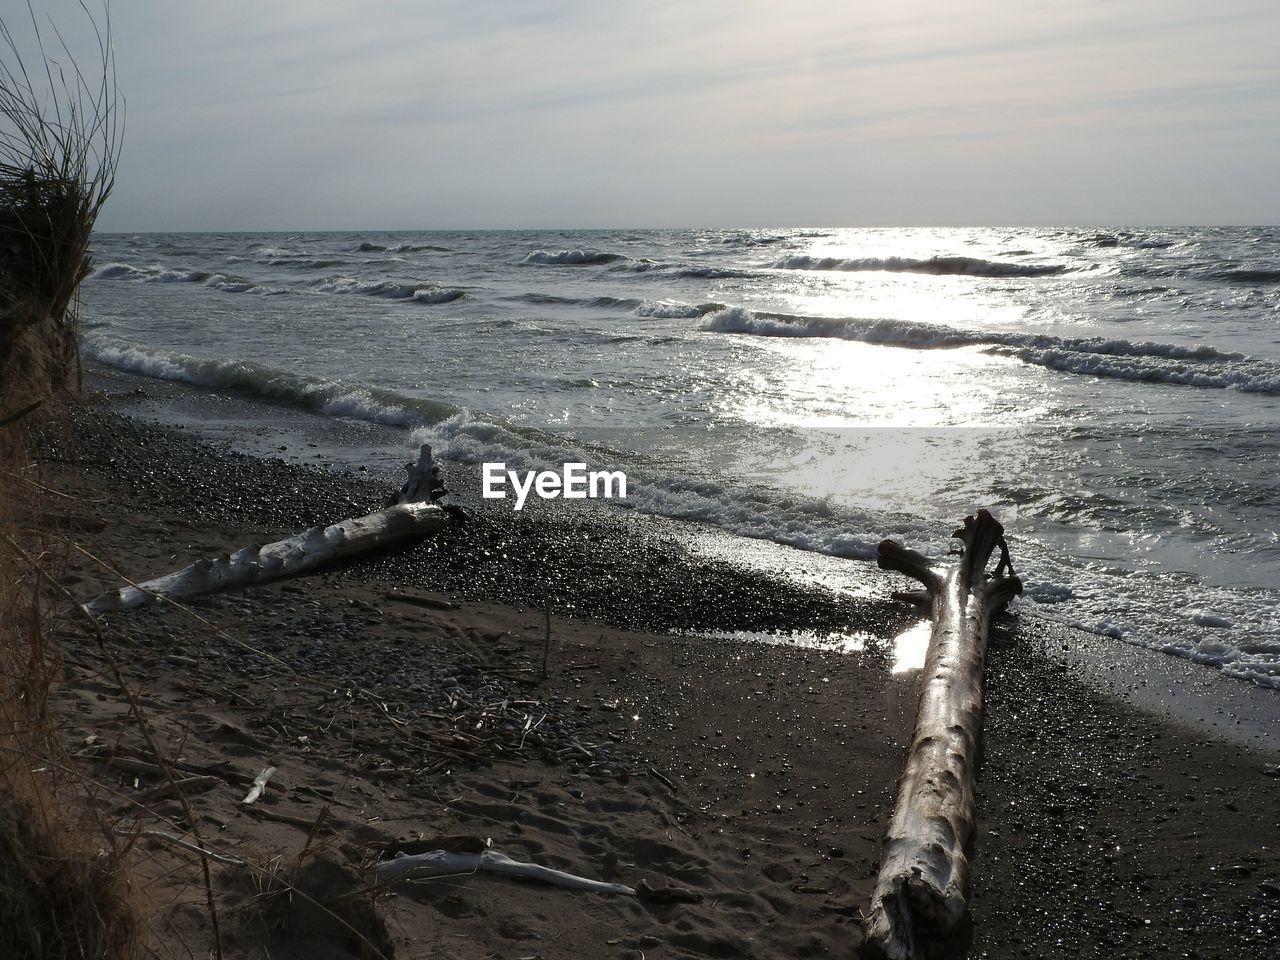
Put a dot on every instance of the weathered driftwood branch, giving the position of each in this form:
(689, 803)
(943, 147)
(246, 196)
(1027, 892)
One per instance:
(921, 896)
(439, 863)
(259, 785)
(412, 514)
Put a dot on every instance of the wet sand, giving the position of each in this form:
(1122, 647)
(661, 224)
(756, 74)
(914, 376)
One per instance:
(755, 774)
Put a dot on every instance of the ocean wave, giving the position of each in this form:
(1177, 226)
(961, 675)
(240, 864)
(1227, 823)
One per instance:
(1143, 361)
(1248, 375)
(949, 266)
(715, 273)
(548, 299)
(152, 274)
(304, 263)
(558, 300)
(571, 257)
(753, 240)
(390, 289)
(227, 283)
(437, 295)
(368, 247)
(892, 332)
(1246, 275)
(641, 265)
(667, 310)
(333, 398)
(457, 435)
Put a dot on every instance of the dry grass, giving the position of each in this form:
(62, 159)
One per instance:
(60, 139)
(63, 891)
(71, 860)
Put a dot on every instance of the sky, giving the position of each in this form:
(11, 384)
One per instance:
(414, 114)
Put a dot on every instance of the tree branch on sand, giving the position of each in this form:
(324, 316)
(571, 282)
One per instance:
(412, 514)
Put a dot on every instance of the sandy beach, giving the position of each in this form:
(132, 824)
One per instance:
(402, 702)
(695, 322)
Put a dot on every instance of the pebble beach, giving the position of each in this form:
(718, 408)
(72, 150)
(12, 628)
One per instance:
(403, 697)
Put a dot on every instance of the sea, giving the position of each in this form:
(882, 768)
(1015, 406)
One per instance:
(1111, 395)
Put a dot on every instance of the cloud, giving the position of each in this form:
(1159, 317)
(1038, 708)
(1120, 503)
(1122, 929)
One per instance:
(327, 114)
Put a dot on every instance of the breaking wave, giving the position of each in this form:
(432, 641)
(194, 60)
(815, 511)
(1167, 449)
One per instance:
(368, 247)
(330, 397)
(667, 310)
(390, 289)
(304, 263)
(571, 257)
(227, 283)
(715, 273)
(1096, 356)
(437, 295)
(153, 274)
(457, 435)
(949, 266)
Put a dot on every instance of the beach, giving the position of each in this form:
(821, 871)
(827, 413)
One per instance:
(402, 697)
(466, 479)
(1111, 396)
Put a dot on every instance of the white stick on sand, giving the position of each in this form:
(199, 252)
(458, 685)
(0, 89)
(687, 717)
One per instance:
(438, 863)
(406, 519)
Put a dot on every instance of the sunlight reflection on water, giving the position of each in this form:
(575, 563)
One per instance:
(911, 646)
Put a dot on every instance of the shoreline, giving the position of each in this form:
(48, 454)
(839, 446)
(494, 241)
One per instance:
(783, 759)
(1170, 686)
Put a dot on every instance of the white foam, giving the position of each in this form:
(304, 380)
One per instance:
(373, 288)
(1147, 610)
(670, 310)
(437, 295)
(420, 292)
(151, 274)
(1248, 376)
(1144, 610)
(742, 320)
(158, 274)
(329, 397)
(1049, 592)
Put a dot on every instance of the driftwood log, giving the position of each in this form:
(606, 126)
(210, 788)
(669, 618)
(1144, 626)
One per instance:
(921, 896)
(411, 514)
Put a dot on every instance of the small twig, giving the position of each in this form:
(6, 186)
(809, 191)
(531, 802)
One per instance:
(665, 781)
(546, 643)
(194, 848)
(301, 822)
(15, 417)
(188, 785)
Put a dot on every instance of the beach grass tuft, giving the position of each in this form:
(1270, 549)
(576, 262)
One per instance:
(63, 890)
(61, 131)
